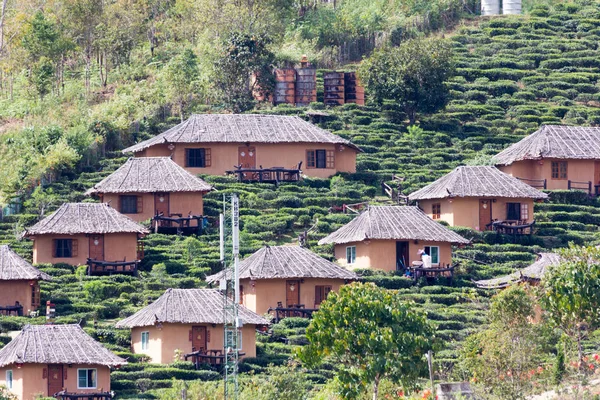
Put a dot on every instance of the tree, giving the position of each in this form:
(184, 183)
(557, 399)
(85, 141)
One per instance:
(181, 76)
(41, 200)
(571, 293)
(412, 74)
(372, 334)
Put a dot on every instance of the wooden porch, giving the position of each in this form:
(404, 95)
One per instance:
(98, 267)
(418, 271)
(512, 227)
(295, 310)
(214, 358)
(586, 186)
(64, 395)
(176, 224)
(16, 310)
(267, 175)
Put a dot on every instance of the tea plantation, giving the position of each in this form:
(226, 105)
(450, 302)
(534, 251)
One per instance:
(513, 74)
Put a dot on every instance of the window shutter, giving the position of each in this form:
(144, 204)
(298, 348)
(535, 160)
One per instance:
(330, 159)
(74, 247)
(207, 158)
(318, 294)
(190, 335)
(310, 158)
(140, 204)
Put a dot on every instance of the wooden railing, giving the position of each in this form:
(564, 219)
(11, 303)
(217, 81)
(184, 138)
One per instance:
(395, 193)
(536, 183)
(98, 267)
(175, 223)
(267, 175)
(64, 395)
(16, 310)
(418, 272)
(585, 186)
(513, 228)
(286, 312)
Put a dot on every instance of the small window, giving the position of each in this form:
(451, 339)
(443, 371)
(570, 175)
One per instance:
(350, 254)
(321, 293)
(129, 204)
(145, 340)
(513, 211)
(9, 379)
(434, 253)
(87, 378)
(320, 159)
(35, 296)
(524, 211)
(230, 339)
(197, 158)
(63, 248)
(436, 210)
(559, 169)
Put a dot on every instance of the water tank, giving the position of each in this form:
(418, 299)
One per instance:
(306, 86)
(333, 88)
(285, 86)
(490, 7)
(354, 91)
(511, 7)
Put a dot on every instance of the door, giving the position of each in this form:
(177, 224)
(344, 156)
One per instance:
(55, 379)
(247, 156)
(401, 256)
(161, 204)
(485, 214)
(199, 341)
(292, 293)
(97, 247)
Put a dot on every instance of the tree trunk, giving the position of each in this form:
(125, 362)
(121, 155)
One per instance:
(376, 387)
(580, 349)
(2, 25)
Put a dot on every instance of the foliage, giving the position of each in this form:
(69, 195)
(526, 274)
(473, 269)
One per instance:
(373, 334)
(181, 75)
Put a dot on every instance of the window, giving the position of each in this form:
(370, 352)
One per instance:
(129, 204)
(513, 211)
(320, 159)
(9, 379)
(350, 254)
(65, 248)
(35, 296)
(86, 378)
(559, 170)
(145, 340)
(436, 210)
(434, 253)
(230, 339)
(524, 211)
(197, 158)
(321, 293)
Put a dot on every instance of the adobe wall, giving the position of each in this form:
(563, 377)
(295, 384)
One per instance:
(179, 203)
(577, 170)
(18, 290)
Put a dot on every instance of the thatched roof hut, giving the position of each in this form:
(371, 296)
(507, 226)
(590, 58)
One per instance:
(85, 218)
(286, 262)
(56, 344)
(150, 175)
(554, 141)
(477, 181)
(13, 267)
(187, 306)
(393, 222)
(242, 128)
(534, 272)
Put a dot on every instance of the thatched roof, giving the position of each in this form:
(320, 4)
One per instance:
(56, 344)
(242, 128)
(13, 267)
(393, 222)
(150, 175)
(282, 262)
(534, 272)
(187, 306)
(554, 141)
(81, 218)
(477, 181)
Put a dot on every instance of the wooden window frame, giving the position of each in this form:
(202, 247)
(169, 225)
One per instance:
(200, 161)
(79, 370)
(310, 159)
(559, 170)
(524, 212)
(352, 255)
(518, 207)
(35, 296)
(329, 159)
(321, 293)
(129, 200)
(9, 382)
(313, 160)
(436, 210)
(428, 251)
(73, 247)
(145, 343)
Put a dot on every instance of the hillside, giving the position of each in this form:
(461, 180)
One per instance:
(513, 74)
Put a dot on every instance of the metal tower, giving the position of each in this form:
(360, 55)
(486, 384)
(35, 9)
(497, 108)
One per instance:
(229, 236)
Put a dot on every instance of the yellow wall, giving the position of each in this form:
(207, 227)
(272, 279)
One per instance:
(577, 170)
(464, 211)
(117, 247)
(267, 292)
(225, 155)
(20, 290)
(179, 203)
(171, 337)
(381, 254)
(29, 382)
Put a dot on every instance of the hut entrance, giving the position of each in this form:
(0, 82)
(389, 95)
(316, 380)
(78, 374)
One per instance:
(401, 256)
(55, 379)
(292, 293)
(97, 247)
(161, 204)
(199, 342)
(247, 156)
(485, 214)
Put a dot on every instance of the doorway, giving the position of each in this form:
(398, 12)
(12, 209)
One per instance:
(402, 256)
(97, 247)
(55, 379)
(199, 342)
(247, 156)
(292, 293)
(485, 214)
(161, 204)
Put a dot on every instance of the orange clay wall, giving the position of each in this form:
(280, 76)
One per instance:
(267, 292)
(171, 337)
(179, 203)
(225, 155)
(29, 382)
(117, 247)
(381, 254)
(577, 170)
(19, 290)
(464, 211)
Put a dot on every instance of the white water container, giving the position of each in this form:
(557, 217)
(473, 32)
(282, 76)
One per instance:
(511, 7)
(490, 7)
